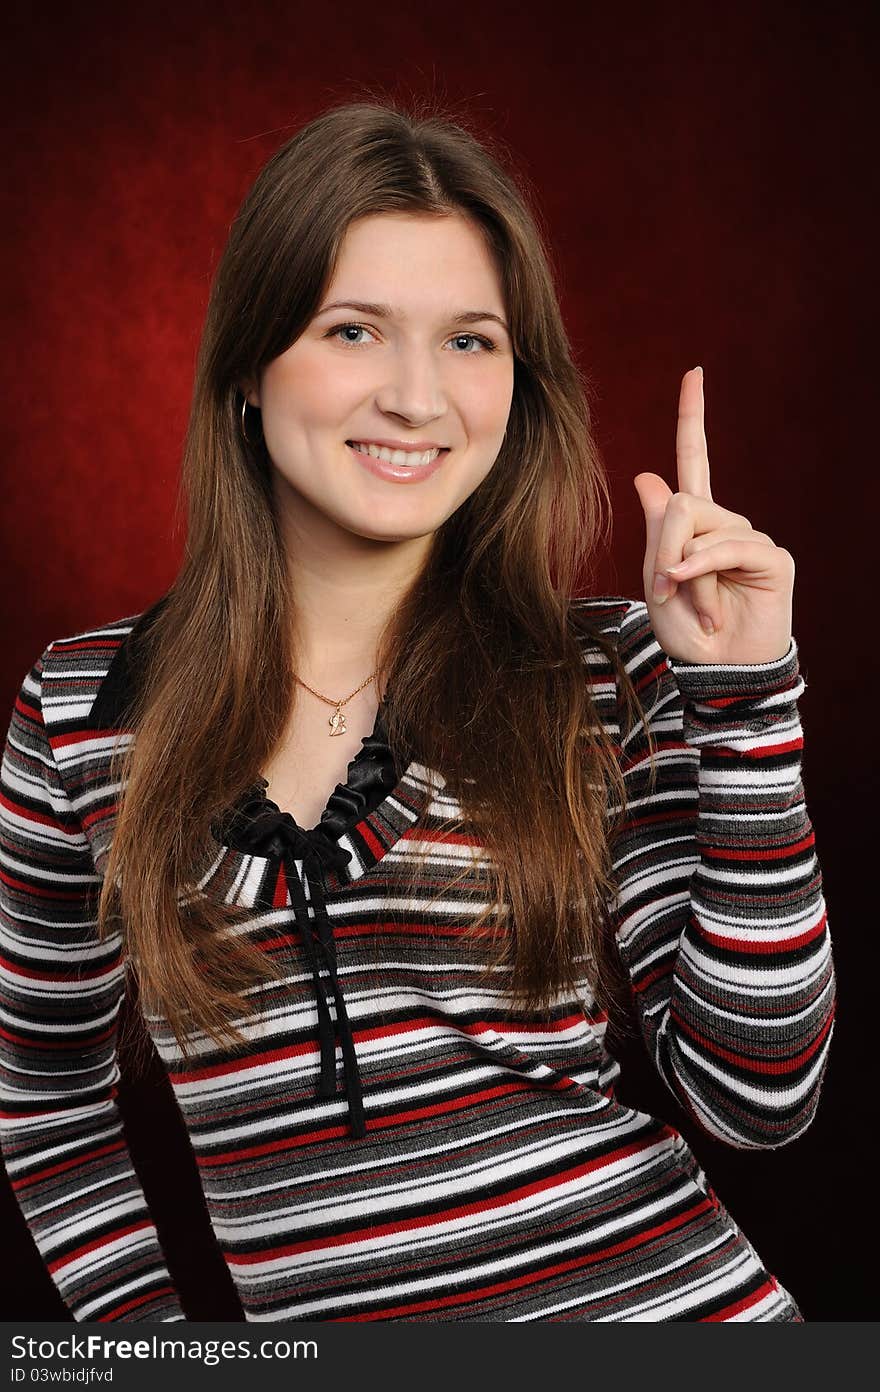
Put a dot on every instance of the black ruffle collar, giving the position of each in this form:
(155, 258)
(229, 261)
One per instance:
(372, 774)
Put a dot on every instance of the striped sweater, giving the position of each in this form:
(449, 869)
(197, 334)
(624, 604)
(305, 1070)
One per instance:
(498, 1176)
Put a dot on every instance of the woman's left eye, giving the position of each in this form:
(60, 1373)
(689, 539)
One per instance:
(486, 343)
(476, 338)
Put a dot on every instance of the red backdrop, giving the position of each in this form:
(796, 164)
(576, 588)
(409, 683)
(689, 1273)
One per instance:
(703, 176)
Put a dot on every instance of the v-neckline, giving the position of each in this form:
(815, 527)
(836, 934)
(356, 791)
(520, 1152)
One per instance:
(237, 876)
(371, 768)
(240, 876)
(365, 816)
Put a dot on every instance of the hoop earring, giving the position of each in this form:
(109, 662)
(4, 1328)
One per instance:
(244, 406)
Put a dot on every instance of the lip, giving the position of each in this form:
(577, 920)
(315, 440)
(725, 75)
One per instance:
(397, 473)
(416, 445)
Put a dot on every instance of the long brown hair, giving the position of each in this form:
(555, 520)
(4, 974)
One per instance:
(489, 622)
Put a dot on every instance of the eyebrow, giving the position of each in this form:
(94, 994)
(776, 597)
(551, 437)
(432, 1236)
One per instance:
(380, 311)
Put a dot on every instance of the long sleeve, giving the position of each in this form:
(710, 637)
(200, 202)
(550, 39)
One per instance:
(720, 920)
(61, 988)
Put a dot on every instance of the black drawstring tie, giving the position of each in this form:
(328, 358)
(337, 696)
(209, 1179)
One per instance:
(255, 824)
(272, 831)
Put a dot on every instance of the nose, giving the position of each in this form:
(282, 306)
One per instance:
(414, 390)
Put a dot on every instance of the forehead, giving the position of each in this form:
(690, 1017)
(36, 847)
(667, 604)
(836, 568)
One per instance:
(415, 259)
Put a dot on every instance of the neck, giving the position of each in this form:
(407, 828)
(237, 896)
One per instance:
(345, 588)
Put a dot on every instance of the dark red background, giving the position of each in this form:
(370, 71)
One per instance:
(705, 176)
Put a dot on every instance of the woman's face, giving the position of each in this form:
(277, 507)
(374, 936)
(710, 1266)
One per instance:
(422, 361)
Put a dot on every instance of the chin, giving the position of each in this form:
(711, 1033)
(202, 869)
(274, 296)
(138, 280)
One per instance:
(372, 530)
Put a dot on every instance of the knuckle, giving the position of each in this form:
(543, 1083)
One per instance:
(788, 559)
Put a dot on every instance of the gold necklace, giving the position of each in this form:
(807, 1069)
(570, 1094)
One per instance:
(337, 719)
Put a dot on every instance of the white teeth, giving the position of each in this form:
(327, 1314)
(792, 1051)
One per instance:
(411, 458)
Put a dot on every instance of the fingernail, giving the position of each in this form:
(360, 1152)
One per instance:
(662, 587)
(707, 623)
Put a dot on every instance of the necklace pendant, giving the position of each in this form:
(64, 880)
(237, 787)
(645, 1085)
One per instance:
(337, 723)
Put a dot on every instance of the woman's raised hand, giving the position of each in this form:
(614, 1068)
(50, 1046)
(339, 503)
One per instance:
(716, 590)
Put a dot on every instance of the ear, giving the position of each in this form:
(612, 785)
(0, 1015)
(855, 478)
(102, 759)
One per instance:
(251, 392)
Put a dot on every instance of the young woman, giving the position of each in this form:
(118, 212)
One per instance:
(385, 814)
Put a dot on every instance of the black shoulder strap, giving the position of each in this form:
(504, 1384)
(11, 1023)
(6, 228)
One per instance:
(119, 687)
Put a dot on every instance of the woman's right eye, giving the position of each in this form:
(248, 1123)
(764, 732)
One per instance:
(343, 328)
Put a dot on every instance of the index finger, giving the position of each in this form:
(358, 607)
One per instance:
(691, 450)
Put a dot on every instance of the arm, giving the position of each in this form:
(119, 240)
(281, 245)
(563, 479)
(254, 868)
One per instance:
(720, 919)
(60, 991)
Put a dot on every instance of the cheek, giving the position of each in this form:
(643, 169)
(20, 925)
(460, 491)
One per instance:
(300, 390)
(487, 403)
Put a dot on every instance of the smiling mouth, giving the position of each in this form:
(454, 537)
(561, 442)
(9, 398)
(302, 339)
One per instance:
(408, 459)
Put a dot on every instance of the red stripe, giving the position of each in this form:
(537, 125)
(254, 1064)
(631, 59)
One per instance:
(29, 816)
(757, 1063)
(778, 689)
(365, 830)
(97, 1242)
(733, 944)
(719, 854)
(308, 1046)
(651, 675)
(72, 892)
(280, 893)
(645, 982)
(380, 1123)
(30, 712)
(76, 974)
(107, 644)
(757, 753)
(118, 1311)
(48, 1045)
(536, 1277)
(429, 1220)
(63, 741)
(764, 945)
(737, 1307)
(84, 1158)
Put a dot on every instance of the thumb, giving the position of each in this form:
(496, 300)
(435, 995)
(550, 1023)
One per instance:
(654, 494)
